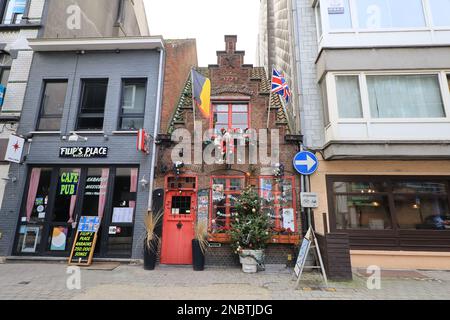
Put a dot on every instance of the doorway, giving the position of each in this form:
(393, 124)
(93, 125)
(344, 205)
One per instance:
(178, 227)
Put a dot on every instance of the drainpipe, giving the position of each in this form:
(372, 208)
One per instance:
(157, 122)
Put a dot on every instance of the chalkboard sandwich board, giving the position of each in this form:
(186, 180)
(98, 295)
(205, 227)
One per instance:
(85, 240)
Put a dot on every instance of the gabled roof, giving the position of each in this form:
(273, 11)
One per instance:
(258, 74)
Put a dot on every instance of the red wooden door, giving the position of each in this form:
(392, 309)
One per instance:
(178, 228)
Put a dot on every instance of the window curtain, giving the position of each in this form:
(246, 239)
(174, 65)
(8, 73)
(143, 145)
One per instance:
(349, 97)
(103, 190)
(32, 191)
(133, 185)
(415, 96)
(73, 199)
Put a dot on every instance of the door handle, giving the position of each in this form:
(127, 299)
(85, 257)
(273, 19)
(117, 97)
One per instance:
(179, 225)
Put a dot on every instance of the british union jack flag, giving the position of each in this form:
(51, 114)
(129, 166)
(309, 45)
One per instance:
(280, 86)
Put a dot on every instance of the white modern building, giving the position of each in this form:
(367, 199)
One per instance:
(372, 85)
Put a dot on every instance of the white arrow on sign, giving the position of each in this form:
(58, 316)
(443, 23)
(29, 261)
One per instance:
(309, 162)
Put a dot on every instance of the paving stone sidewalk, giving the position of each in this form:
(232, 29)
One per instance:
(47, 281)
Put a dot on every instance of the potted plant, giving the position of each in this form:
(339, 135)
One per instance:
(249, 231)
(199, 246)
(152, 222)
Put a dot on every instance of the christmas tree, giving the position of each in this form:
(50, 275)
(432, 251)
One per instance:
(250, 228)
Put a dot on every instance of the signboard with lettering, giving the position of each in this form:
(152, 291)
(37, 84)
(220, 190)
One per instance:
(15, 149)
(83, 152)
(85, 240)
(69, 183)
(309, 200)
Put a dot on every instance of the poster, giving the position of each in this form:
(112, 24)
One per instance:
(336, 7)
(89, 224)
(123, 215)
(217, 192)
(30, 239)
(59, 239)
(15, 149)
(203, 206)
(288, 219)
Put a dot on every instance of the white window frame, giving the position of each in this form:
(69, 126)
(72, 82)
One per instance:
(367, 118)
(355, 21)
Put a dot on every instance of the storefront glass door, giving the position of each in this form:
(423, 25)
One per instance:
(56, 198)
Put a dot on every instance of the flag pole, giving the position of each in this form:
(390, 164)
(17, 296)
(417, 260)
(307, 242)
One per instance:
(270, 97)
(193, 96)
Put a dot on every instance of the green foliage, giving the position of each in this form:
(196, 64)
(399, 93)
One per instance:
(250, 228)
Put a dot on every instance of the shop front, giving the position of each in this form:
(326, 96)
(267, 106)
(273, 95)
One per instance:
(56, 197)
(395, 214)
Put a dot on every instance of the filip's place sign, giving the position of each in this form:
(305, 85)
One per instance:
(83, 152)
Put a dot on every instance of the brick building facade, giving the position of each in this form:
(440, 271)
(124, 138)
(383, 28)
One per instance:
(240, 94)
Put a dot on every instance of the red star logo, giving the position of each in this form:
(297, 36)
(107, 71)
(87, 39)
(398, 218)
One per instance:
(16, 146)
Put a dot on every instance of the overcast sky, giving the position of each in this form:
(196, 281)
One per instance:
(207, 21)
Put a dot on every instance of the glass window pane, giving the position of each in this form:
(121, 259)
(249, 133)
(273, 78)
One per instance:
(124, 196)
(239, 118)
(49, 124)
(221, 118)
(94, 96)
(440, 11)
(54, 98)
(349, 97)
(422, 213)
(133, 98)
(419, 187)
(94, 123)
(221, 108)
(4, 76)
(359, 187)
(240, 108)
(38, 194)
(340, 18)
(362, 212)
(375, 14)
(132, 124)
(405, 96)
(94, 198)
(66, 195)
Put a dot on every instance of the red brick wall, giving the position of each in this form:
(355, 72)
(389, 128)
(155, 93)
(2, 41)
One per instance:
(181, 56)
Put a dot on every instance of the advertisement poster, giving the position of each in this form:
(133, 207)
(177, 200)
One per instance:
(59, 239)
(89, 224)
(30, 239)
(288, 219)
(69, 183)
(203, 206)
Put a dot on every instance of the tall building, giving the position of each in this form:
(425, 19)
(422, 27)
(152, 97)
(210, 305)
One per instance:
(276, 48)
(373, 94)
(21, 20)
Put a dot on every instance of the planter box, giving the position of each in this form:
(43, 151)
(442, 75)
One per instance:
(281, 239)
(219, 237)
(285, 239)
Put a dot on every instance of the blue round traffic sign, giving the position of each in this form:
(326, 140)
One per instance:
(306, 163)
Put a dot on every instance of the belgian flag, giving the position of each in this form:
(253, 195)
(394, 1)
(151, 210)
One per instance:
(201, 91)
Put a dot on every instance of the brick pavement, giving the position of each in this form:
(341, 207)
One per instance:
(48, 281)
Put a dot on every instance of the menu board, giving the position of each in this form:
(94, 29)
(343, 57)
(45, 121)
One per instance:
(85, 240)
(303, 253)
